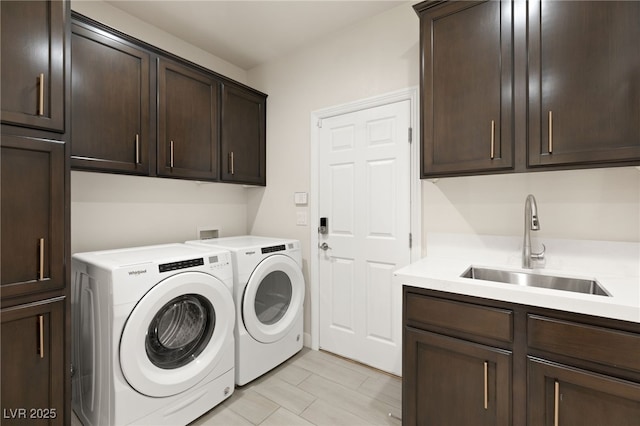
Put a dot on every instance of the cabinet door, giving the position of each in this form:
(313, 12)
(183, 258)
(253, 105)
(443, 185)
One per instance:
(448, 381)
(33, 365)
(584, 82)
(32, 215)
(188, 107)
(110, 104)
(561, 395)
(32, 46)
(466, 88)
(243, 144)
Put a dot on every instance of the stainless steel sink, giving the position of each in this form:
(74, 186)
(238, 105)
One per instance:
(577, 285)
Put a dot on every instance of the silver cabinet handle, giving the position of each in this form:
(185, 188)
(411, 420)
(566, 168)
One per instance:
(231, 163)
(41, 328)
(137, 148)
(556, 403)
(493, 139)
(550, 132)
(41, 95)
(41, 260)
(486, 385)
(171, 155)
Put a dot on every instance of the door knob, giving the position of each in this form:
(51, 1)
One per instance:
(324, 246)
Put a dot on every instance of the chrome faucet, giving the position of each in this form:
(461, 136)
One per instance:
(531, 223)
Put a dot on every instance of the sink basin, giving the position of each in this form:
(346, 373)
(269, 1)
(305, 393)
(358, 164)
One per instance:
(577, 285)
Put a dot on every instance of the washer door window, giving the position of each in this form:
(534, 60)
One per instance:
(273, 298)
(177, 334)
(180, 331)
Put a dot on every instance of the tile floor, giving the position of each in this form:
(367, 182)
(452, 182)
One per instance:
(311, 388)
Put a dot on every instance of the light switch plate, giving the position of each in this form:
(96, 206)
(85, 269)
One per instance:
(301, 218)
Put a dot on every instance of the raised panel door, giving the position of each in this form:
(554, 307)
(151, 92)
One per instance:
(467, 84)
(32, 46)
(110, 129)
(32, 216)
(33, 366)
(188, 131)
(448, 381)
(584, 82)
(243, 136)
(562, 395)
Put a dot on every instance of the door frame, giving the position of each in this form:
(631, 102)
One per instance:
(412, 95)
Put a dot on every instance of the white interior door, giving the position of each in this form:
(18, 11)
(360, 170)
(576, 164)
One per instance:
(364, 192)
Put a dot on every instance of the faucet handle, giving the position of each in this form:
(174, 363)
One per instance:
(539, 256)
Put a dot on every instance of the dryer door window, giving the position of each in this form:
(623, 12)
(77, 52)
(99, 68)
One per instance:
(177, 334)
(180, 331)
(273, 298)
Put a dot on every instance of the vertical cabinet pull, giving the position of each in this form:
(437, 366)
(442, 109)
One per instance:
(171, 155)
(231, 163)
(556, 403)
(41, 95)
(550, 132)
(486, 385)
(41, 260)
(41, 332)
(137, 148)
(493, 139)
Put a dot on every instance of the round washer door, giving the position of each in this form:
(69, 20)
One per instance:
(273, 298)
(176, 334)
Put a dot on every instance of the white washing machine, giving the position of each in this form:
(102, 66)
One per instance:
(269, 295)
(152, 331)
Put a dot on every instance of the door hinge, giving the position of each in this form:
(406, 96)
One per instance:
(410, 240)
(320, 124)
(410, 134)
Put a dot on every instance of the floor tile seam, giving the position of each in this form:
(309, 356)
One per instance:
(354, 365)
(315, 397)
(294, 414)
(364, 422)
(349, 408)
(375, 396)
(230, 407)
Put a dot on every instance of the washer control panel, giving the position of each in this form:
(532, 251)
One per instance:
(183, 264)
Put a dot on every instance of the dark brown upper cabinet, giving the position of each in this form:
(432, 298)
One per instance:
(523, 86)
(32, 216)
(32, 43)
(466, 91)
(584, 82)
(110, 104)
(188, 107)
(243, 141)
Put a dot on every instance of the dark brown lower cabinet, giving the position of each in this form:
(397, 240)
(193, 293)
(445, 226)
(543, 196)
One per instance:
(32, 356)
(456, 382)
(469, 361)
(563, 395)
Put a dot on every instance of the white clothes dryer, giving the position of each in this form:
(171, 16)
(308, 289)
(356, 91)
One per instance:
(269, 293)
(152, 331)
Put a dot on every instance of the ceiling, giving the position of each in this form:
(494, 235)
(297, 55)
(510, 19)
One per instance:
(250, 33)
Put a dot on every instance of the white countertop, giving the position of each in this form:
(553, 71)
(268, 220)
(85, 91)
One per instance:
(615, 265)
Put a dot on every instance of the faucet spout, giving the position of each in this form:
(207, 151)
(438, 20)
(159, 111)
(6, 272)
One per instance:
(531, 223)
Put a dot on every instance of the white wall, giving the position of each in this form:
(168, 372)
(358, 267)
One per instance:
(111, 211)
(594, 204)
